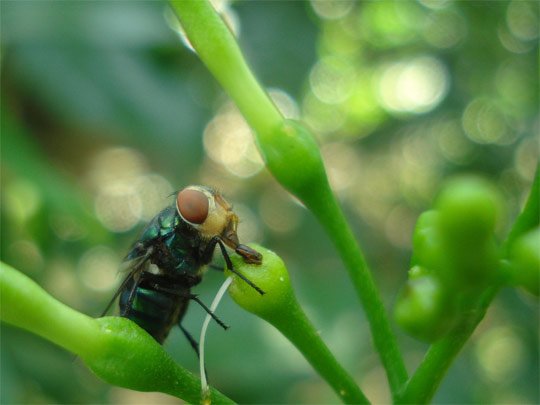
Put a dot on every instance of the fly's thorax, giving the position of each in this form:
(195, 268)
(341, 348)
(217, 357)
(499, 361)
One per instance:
(161, 225)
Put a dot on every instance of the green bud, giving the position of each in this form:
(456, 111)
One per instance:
(469, 208)
(272, 277)
(525, 261)
(279, 307)
(292, 155)
(423, 308)
(427, 244)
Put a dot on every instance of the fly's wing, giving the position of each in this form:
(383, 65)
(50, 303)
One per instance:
(134, 266)
(161, 226)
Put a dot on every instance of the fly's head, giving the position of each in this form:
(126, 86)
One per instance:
(211, 215)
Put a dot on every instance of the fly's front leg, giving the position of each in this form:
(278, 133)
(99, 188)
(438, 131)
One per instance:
(207, 255)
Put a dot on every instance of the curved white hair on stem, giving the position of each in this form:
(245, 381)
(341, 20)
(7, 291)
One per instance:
(205, 392)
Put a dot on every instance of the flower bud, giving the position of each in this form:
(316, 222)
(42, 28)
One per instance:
(525, 261)
(293, 157)
(469, 208)
(427, 247)
(468, 211)
(423, 308)
(272, 277)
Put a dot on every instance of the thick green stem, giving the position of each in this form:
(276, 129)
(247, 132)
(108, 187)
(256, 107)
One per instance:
(329, 213)
(305, 337)
(217, 48)
(114, 348)
(26, 305)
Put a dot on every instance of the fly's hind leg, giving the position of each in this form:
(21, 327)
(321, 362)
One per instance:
(193, 297)
(208, 311)
(194, 344)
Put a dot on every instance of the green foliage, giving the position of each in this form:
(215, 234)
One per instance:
(399, 94)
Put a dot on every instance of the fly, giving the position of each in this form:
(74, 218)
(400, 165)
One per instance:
(169, 257)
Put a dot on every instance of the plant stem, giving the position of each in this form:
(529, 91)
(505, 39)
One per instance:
(331, 216)
(26, 305)
(217, 48)
(114, 348)
(306, 338)
(428, 376)
(281, 309)
(293, 157)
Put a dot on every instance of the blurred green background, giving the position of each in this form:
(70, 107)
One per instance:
(105, 113)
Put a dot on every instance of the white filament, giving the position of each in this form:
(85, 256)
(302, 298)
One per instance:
(205, 394)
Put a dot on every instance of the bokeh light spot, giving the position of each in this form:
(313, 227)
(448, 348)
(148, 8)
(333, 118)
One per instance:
(485, 123)
(453, 144)
(322, 118)
(445, 29)
(118, 207)
(249, 229)
(514, 84)
(342, 165)
(98, 268)
(526, 157)
(500, 354)
(279, 212)
(154, 192)
(434, 4)
(399, 226)
(522, 19)
(332, 10)
(61, 282)
(332, 79)
(21, 200)
(510, 42)
(67, 227)
(416, 86)
(228, 140)
(27, 255)
(116, 164)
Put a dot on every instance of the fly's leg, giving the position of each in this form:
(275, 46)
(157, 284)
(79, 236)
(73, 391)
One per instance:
(194, 344)
(230, 265)
(202, 304)
(193, 297)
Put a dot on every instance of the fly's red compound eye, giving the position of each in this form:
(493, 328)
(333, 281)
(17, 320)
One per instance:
(192, 205)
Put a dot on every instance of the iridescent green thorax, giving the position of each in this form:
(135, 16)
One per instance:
(176, 248)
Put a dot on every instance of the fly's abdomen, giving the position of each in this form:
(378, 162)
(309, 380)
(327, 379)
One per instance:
(154, 311)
